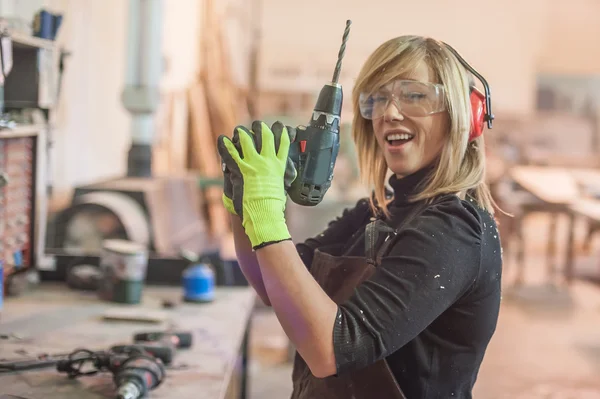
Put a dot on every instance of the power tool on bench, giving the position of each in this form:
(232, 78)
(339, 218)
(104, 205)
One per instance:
(179, 339)
(135, 372)
(42, 361)
(162, 345)
(137, 368)
(315, 149)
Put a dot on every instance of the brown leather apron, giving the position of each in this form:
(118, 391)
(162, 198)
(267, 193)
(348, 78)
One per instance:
(338, 276)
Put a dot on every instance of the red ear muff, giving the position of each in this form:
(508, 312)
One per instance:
(481, 104)
(478, 110)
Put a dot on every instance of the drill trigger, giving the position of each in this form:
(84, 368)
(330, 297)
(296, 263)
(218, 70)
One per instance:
(302, 145)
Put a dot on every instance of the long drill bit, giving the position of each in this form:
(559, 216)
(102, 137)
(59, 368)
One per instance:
(338, 65)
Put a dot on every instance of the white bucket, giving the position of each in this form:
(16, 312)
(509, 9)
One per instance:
(123, 265)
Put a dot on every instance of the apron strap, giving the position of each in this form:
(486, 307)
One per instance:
(373, 231)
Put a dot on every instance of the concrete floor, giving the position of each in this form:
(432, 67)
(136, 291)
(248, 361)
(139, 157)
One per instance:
(547, 344)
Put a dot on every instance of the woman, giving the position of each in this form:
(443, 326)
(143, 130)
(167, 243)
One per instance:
(397, 294)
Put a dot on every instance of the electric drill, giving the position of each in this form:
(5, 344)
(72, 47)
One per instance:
(137, 376)
(315, 149)
(135, 372)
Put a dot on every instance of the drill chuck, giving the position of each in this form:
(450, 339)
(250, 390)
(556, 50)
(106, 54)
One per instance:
(137, 376)
(129, 390)
(327, 111)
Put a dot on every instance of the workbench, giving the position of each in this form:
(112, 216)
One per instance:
(54, 319)
(572, 192)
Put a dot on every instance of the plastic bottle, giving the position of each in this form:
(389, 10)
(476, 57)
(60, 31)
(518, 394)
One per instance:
(199, 283)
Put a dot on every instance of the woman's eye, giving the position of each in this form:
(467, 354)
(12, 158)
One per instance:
(414, 96)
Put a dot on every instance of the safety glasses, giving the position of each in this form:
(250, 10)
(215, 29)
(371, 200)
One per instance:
(412, 98)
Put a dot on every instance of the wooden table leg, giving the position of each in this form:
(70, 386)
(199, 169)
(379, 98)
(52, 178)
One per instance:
(593, 226)
(551, 249)
(570, 249)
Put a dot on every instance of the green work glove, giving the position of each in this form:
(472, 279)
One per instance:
(228, 188)
(259, 193)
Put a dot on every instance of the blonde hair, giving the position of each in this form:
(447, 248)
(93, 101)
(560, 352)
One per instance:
(461, 165)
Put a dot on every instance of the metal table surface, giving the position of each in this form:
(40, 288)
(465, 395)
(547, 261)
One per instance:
(54, 319)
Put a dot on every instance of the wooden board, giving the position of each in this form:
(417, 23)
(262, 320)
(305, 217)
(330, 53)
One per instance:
(205, 158)
(216, 107)
(179, 132)
(552, 185)
(587, 207)
(161, 148)
(135, 314)
(588, 180)
(170, 150)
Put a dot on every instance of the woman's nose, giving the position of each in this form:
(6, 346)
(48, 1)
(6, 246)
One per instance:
(392, 111)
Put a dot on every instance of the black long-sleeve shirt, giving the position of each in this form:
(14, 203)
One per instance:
(432, 305)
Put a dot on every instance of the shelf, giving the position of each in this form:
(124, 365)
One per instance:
(21, 131)
(24, 40)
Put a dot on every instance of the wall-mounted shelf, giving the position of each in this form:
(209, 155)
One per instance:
(24, 40)
(28, 85)
(32, 81)
(21, 131)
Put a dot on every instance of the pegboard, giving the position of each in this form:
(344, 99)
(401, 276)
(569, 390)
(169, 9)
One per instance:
(17, 202)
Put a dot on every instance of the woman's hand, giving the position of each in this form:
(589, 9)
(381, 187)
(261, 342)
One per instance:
(259, 179)
(257, 174)
(228, 183)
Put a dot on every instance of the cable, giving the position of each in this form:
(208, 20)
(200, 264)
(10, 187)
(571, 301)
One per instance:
(76, 360)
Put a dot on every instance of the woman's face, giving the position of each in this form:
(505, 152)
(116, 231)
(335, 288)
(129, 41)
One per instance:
(404, 157)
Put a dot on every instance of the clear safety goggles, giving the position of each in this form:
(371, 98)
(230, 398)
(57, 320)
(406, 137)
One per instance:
(412, 98)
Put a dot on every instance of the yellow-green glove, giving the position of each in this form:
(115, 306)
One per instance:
(228, 184)
(258, 178)
(228, 187)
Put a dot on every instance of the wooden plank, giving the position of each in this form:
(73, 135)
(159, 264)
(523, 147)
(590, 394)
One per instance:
(21, 131)
(24, 40)
(161, 148)
(179, 132)
(203, 156)
(221, 95)
(552, 185)
(588, 180)
(222, 104)
(587, 207)
(170, 150)
(218, 215)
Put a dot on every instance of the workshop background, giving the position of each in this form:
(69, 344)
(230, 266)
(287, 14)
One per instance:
(227, 62)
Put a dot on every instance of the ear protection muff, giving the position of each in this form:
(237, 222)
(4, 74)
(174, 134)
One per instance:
(481, 103)
(478, 112)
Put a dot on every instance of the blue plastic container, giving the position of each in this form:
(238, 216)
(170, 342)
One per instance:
(199, 283)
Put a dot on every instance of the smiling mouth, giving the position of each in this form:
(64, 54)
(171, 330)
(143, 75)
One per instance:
(397, 139)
